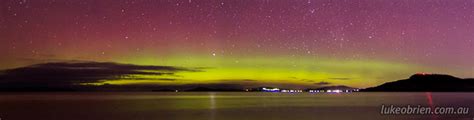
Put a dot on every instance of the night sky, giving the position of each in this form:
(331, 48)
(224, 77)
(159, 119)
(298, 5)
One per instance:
(359, 43)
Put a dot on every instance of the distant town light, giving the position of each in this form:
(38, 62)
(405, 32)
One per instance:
(271, 89)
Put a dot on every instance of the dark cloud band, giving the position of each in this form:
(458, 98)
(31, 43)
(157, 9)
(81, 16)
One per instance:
(72, 73)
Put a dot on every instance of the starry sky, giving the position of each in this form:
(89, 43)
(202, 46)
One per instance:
(359, 43)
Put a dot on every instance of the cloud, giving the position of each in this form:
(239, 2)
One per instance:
(322, 83)
(340, 78)
(72, 73)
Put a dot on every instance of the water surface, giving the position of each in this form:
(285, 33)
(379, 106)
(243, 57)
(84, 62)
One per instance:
(221, 105)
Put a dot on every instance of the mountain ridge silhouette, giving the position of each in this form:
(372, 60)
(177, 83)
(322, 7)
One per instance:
(424, 82)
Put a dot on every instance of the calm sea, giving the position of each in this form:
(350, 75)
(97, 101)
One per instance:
(221, 106)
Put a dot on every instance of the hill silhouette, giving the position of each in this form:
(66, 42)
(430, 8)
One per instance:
(426, 83)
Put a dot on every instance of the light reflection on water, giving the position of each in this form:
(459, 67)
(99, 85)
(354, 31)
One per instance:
(220, 105)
